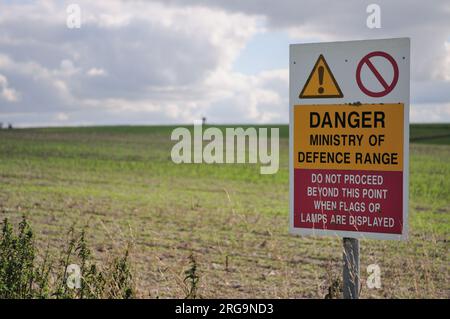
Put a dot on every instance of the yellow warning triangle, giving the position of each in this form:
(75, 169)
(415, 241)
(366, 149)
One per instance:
(321, 82)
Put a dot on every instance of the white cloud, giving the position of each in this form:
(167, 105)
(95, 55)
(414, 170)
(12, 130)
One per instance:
(172, 61)
(128, 58)
(67, 68)
(7, 93)
(62, 117)
(96, 72)
(257, 98)
(432, 113)
(444, 73)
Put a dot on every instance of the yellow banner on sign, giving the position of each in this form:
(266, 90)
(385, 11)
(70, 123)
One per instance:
(354, 137)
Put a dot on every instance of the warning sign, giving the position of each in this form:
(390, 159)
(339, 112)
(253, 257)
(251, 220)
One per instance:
(321, 82)
(349, 154)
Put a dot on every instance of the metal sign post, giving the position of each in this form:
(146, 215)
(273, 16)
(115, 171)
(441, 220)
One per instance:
(351, 268)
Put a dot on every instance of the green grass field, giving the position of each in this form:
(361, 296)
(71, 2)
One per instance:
(122, 184)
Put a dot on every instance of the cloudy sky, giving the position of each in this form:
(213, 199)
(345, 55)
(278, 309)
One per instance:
(174, 61)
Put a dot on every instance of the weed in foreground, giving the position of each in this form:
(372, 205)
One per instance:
(24, 276)
(192, 278)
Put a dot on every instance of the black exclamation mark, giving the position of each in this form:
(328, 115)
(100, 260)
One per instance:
(320, 90)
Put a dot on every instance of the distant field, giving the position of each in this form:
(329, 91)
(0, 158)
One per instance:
(121, 182)
(430, 134)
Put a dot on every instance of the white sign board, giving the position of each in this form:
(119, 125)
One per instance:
(349, 138)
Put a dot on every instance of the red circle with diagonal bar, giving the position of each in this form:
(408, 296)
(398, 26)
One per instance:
(387, 87)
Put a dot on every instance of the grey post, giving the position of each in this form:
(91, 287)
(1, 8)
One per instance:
(351, 268)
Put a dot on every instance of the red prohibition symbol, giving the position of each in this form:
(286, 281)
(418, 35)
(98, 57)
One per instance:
(387, 87)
